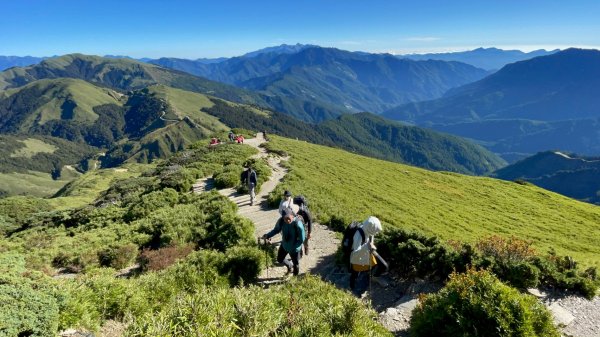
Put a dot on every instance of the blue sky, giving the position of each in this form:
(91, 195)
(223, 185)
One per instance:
(193, 29)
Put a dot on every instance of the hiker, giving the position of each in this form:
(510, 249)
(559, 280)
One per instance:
(249, 178)
(306, 218)
(265, 135)
(240, 139)
(214, 141)
(363, 245)
(287, 202)
(292, 237)
(231, 136)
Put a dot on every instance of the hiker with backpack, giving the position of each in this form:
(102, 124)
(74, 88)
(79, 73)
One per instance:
(286, 202)
(306, 218)
(292, 238)
(360, 251)
(249, 178)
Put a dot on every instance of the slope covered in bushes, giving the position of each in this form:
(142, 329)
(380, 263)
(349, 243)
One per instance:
(187, 245)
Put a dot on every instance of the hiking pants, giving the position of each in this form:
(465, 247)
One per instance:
(252, 193)
(306, 246)
(376, 271)
(294, 264)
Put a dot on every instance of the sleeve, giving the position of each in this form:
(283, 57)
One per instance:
(275, 230)
(308, 220)
(300, 228)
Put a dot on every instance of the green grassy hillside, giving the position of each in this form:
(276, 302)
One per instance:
(370, 135)
(36, 165)
(37, 103)
(341, 185)
(127, 74)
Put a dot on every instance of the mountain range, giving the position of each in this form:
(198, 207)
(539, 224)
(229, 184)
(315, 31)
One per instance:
(491, 59)
(571, 175)
(128, 74)
(548, 102)
(116, 107)
(18, 61)
(349, 80)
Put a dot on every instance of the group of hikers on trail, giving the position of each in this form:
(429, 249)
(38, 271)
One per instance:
(236, 138)
(295, 229)
(358, 243)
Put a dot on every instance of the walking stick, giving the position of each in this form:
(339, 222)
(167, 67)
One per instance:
(264, 247)
(370, 277)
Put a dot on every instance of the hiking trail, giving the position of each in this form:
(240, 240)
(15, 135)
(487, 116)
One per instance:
(323, 243)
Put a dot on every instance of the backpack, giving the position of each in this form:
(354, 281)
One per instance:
(252, 177)
(300, 200)
(348, 240)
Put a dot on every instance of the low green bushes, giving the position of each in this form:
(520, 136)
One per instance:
(302, 307)
(513, 260)
(29, 306)
(476, 303)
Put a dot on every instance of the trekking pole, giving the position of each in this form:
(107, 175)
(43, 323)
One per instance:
(370, 277)
(264, 246)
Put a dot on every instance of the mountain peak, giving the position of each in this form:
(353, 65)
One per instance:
(280, 49)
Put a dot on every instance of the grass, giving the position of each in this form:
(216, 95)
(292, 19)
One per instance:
(32, 183)
(88, 187)
(187, 103)
(32, 147)
(451, 206)
(86, 96)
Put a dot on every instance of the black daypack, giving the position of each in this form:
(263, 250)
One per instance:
(300, 200)
(348, 240)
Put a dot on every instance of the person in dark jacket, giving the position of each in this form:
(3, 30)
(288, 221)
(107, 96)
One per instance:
(249, 177)
(292, 238)
(306, 220)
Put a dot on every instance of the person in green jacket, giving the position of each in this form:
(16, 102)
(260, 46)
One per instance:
(292, 238)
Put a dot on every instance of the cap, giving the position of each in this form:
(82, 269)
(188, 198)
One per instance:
(287, 193)
(288, 212)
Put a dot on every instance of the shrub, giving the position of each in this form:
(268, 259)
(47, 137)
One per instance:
(243, 264)
(98, 296)
(151, 202)
(28, 304)
(163, 257)
(476, 303)
(118, 257)
(229, 176)
(302, 307)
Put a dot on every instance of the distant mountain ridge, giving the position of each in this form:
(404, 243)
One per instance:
(351, 81)
(526, 107)
(127, 74)
(154, 121)
(18, 61)
(484, 58)
(370, 135)
(567, 174)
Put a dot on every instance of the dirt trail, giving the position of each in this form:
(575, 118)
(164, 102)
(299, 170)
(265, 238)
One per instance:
(324, 243)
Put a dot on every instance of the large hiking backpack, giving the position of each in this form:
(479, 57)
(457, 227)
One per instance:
(348, 240)
(300, 200)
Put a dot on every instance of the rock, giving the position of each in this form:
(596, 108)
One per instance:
(561, 315)
(537, 293)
